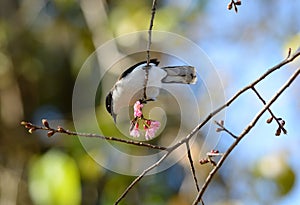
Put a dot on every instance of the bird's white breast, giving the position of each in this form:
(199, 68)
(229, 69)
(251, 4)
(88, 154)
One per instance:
(131, 88)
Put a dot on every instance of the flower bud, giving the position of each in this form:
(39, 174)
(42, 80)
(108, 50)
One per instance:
(27, 125)
(31, 130)
(203, 161)
(219, 129)
(278, 131)
(269, 120)
(60, 129)
(215, 151)
(50, 133)
(238, 3)
(45, 123)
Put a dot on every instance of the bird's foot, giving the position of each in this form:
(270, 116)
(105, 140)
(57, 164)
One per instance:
(144, 101)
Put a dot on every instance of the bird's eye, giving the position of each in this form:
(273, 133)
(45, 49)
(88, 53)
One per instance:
(108, 102)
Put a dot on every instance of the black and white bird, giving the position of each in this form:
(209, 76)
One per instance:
(130, 86)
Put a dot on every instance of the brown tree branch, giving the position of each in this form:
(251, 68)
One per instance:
(153, 11)
(243, 134)
(270, 111)
(234, 4)
(223, 128)
(141, 176)
(51, 131)
(192, 165)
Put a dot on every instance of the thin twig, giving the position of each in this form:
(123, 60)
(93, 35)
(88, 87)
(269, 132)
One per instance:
(140, 177)
(235, 4)
(145, 83)
(270, 111)
(153, 11)
(241, 136)
(51, 131)
(223, 128)
(192, 165)
(169, 151)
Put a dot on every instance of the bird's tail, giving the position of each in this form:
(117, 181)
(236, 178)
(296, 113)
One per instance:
(180, 74)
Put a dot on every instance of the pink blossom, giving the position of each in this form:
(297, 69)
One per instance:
(135, 132)
(155, 124)
(149, 134)
(138, 109)
(150, 126)
(151, 129)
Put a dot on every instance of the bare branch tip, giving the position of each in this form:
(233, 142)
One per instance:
(220, 124)
(289, 53)
(235, 8)
(280, 123)
(234, 4)
(284, 131)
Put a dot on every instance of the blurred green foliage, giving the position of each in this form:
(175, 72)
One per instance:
(54, 179)
(275, 169)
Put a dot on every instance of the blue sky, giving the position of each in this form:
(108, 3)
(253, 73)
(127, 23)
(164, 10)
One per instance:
(243, 46)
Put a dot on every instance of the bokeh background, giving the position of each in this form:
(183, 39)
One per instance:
(43, 45)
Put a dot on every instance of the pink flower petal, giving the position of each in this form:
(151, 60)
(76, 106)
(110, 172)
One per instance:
(152, 129)
(137, 108)
(135, 132)
(155, 124)
(150, 133)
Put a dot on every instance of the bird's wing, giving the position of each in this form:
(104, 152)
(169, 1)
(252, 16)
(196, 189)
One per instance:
(129, 70)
